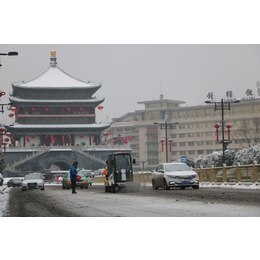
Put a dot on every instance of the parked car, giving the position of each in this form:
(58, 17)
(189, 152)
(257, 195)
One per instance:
(14, 182)
(33, 181)
(88, 174)
(82, 183)
(168, 175)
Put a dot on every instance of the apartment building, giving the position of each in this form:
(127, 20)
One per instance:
(166, 130)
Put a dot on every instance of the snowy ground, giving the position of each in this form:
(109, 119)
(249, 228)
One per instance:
(4, 190)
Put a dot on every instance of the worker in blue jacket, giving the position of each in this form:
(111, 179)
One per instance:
(73, 176)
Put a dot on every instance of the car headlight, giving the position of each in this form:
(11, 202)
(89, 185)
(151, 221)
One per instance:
(40, 183)
(24, 183)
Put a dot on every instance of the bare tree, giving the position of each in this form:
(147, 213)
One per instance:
(249, 133)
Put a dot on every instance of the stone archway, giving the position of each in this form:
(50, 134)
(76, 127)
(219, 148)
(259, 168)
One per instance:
(60, 165)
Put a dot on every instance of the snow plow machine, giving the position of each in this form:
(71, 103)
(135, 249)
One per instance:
(119, 172)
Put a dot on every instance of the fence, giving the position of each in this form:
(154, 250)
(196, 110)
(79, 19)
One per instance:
(224, 174)
(244, 174)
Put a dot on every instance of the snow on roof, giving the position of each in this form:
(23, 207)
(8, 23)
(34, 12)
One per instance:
(92, 100)
(61, 126)
(55, 77)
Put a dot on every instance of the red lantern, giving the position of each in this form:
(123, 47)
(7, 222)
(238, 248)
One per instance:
(170, 141)
(106, 134)
(68, 108)
(32, 136)
(228, 126)
(217, 126)
(46, 136)
(46, 109)
(6, 139)
(14, 109)
(81, 136)
(33, 108)
(2, 93)
(162, 141)
(2, 129)
(11, 115)
(8, 134)
(81, 108)
(100, 107)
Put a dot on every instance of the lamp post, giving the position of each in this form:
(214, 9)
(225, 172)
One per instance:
(223, 106)
(143, 162)
(166, 126)
(11, 53)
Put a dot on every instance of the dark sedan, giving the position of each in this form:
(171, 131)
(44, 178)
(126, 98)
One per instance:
(14, 183)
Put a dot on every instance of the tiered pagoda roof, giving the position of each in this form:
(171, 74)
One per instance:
(54, 87)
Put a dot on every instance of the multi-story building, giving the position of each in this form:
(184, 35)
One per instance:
(189, 130)
(55, 108)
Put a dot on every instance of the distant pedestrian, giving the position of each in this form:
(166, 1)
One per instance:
(1, 179)
(73, 176)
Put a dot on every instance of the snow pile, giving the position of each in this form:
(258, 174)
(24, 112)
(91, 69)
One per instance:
(244, 157)
(4, 196)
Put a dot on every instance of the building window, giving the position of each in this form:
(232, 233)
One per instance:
(199, 125)
(190, 134)
(200, 152)
(182, 114)
(181, 126)
(182, 152)
(199, 134)
(242, 110)
(208, 142)
(256, 108)
(174, 115)
(191, 152)
(182, 143)
(209, 112)
(200, 143)
(199, 113)
(190, 143)
(149, 116)
(182, 135)
(190, 126)
(190, 113)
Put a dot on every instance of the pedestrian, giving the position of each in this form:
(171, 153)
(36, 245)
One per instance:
(73, 176)
(1, 179)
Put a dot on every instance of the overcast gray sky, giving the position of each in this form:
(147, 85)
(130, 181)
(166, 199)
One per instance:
(131, 73)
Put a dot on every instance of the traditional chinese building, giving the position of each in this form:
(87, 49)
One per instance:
(55, 108)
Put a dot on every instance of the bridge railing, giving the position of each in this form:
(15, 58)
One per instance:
(230, 174)
(239, 174)
(77, 147)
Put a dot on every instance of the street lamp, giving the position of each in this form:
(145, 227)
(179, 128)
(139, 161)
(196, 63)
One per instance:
(11, 53)
(143, 162)
(223, 106)
(166, 126)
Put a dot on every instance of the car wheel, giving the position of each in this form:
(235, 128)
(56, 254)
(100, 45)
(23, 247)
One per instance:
(113, 188)
(165, 186)
(154, 186)
(42, 188)
(195, 186)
